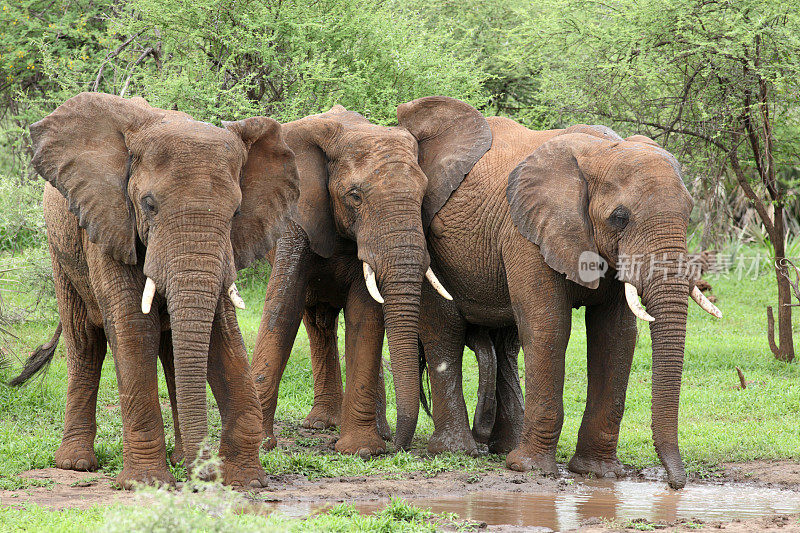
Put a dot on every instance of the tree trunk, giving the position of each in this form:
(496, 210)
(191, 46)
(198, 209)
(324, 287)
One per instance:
(784, 351)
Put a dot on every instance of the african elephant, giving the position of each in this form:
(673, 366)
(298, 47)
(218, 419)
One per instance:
(366, 194)
(149, 214)
(509, 244)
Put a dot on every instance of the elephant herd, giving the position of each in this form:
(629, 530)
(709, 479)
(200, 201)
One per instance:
(449, 229)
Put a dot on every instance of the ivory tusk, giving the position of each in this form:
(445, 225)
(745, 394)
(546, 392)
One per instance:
(430, 276)
(372, 286)
(147, 295)
(705, 303)
(236, 298)
(632, 296)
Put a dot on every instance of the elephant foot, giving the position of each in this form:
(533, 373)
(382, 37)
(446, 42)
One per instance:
(176, 457)
(74, 457)
(523, 461)
(504, 437)
(361, 443)
(610, 467)
(452, 441)
(247, 476)
(322, 417)
(129, 478)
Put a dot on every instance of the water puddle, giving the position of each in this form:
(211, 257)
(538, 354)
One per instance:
(605, 499)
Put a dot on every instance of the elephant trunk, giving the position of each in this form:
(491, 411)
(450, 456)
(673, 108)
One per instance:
(193, 274)
(664, 286)
(401, 316)
(401, 260)
(666, 300)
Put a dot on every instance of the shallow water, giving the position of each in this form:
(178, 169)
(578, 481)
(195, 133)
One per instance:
(607, 499)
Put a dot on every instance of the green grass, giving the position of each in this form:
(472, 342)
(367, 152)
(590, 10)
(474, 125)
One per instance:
(718, 422)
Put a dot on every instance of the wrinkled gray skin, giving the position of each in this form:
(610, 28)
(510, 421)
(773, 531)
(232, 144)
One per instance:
(137, 192)
(507, 245)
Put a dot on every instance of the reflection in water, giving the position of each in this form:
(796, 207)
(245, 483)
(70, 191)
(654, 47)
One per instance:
(607, 499)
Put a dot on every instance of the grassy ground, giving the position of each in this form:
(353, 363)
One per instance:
(718, 422)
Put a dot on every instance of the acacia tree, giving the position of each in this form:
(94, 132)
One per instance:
(714, 80)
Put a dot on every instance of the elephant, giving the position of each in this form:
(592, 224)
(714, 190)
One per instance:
(149, 215)
(366, 192)
(545, 222)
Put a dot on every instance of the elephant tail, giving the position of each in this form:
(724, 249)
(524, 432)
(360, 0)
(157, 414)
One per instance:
(39, 360)
(423, 380)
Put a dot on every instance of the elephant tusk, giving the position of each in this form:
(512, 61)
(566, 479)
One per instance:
(430, 276)
(372, 287)
(236, 298)
(632, 296)
(705, 303)
(147, 295)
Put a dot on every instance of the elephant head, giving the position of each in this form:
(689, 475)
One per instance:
(589, 194)
(185, 201)
(379, 187)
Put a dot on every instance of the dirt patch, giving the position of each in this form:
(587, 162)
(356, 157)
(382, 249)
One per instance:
(772, 473)
(66, 489)
(502, 499)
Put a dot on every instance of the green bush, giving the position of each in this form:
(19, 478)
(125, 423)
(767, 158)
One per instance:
(21, 219)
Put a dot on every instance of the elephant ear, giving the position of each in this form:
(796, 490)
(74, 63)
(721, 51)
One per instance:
(313, 141)
(452, 136)
(80, 148)
(269, 186)
(548, 198)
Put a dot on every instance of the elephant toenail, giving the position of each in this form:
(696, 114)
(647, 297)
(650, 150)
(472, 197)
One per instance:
(256, 484)
(364, 453)
(81, 464)
(319, 424)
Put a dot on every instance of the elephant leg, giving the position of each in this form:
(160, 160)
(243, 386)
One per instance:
(478, 340)
(510, 411)
(134, 339)
(86, 349)
(611, 339)
(233, 387)
(442, 333)
(321, 323)
(168, 365)
(380, 406)
(543, 314)
(363, 350)
(284, 305)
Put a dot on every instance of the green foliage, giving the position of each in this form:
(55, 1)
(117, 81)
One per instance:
(21, 218)
(711, 81)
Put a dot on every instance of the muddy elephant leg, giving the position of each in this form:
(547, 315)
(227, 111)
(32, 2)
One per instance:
(442, 333)
(380, 405)
(284, 305)
(321, 323)
(168, 365)
(232, 384)
(478, 340)
(611, 339)
(363, 336)
(86, 349)
(543, 315)
(134, 339)
(510, 411)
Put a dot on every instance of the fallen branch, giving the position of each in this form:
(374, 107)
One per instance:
(741, 378)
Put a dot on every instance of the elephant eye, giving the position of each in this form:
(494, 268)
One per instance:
(619, 218)
(353, 197)
(149, 204)
(237, 212)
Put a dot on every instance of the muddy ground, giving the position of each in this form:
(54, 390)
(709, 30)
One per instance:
(295, 495)
(495, 496)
